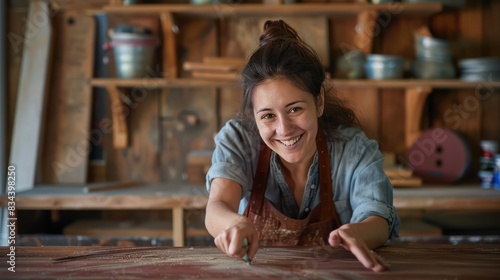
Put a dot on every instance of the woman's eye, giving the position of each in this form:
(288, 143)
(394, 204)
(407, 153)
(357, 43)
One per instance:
(267, 116)
(295, 109)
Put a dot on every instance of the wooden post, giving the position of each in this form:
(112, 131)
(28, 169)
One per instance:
(178, 226)
(414, 103)
(119, 114)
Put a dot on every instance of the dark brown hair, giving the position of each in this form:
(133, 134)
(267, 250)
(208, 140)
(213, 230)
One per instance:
(283, 54)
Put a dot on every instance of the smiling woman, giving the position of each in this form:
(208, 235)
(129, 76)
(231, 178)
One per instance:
(292, 169)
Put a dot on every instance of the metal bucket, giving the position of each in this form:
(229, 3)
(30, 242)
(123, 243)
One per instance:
(134, 54)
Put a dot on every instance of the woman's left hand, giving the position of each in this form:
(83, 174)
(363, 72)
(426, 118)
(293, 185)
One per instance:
(348, 237)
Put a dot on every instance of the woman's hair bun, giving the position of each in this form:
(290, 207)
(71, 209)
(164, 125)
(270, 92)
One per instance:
(278, 30)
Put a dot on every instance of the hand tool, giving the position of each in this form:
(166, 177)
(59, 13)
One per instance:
(245, 257)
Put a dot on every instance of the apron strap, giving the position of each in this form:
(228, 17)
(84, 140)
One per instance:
(260, 180)
(325, 180)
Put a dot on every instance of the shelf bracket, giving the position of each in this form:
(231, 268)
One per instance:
(414, 103)
(365, 30)
(169, 63)
(119, 114)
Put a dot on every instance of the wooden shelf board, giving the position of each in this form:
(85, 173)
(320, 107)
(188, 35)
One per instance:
(313, 9)
(407, 83)
(155, 83)
(145, 196)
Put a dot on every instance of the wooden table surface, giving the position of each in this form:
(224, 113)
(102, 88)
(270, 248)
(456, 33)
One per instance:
(186, 196)
(409, 260)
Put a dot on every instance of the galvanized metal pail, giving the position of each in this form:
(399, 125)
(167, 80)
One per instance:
(134, 54)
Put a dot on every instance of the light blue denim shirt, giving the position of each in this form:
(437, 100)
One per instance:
(360, 186)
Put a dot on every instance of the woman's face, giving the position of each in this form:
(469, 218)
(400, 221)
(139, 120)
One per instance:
(287, 119)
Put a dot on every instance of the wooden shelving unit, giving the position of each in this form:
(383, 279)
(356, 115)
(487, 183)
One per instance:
(365, 13)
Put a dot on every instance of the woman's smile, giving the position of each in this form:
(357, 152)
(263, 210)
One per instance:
(291, 142)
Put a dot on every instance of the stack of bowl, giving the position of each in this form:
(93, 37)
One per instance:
(134, 48)
(382, 67)
(351, 65)
(434, 59)
(480, 69)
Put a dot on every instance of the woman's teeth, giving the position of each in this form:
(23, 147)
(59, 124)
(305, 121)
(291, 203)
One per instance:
(291, 142)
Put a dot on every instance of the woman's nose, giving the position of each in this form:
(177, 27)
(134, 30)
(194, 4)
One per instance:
(285, 126)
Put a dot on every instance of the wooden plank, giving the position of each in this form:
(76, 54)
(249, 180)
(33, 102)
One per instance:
(170, 195)
(65, 157)
(14, 56)
(190, 65)
(339, 83)
(489, 96)
(78, 5)
(109, 186)
(227, 76)
(296, 10)
(392, 124)
(365, 104)
(143, 197)
(470, 23)
(406, 182)
(31, 97)
(119, 228)
(235, 62)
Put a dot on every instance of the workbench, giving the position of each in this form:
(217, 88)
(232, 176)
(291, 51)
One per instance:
(181, 196)
(443, 258)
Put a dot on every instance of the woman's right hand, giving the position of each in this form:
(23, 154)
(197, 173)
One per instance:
(230, 240)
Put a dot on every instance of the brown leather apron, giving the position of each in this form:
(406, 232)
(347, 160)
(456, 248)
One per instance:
(276, 229)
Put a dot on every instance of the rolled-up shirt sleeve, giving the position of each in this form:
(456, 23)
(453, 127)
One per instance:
(371, 191)
(234, 157)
